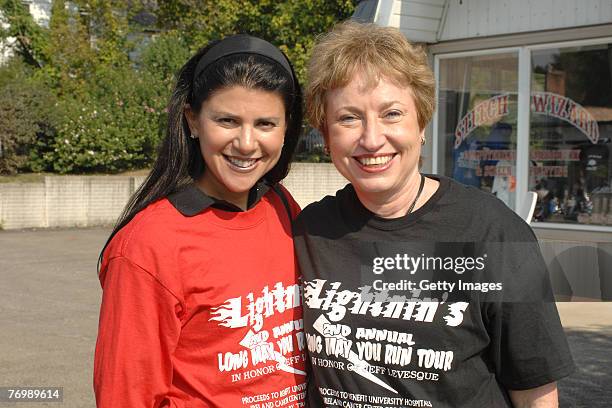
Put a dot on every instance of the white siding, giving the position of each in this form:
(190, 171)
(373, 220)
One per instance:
(419, 20)
(479, 18)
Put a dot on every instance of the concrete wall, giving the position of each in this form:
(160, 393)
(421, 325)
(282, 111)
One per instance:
(310, 182)
(84, 201)
(65, 201)
(22, 205)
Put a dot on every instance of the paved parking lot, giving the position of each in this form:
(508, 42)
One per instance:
(49, 302)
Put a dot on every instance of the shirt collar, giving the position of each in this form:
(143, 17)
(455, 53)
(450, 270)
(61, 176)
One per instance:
(191, 200)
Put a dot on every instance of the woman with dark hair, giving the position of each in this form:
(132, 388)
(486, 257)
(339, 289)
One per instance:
(200, 305)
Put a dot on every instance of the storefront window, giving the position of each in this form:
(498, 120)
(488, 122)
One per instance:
(477, 113)
(570, 147)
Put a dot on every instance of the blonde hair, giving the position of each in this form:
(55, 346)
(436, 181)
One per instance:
(375, 51)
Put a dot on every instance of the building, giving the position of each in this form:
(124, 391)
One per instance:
(524, 103)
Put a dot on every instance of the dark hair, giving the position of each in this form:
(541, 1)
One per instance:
(179, 161)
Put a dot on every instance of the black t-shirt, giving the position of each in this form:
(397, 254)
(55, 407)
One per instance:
(376, 341)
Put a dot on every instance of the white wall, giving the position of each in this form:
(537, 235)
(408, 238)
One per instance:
(65, 201)
(308, 182)
(84, 201)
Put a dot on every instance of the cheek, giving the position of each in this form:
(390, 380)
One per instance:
(406, 137)
(214, 139)
(343, 139)
(207, 146)
(273, 143)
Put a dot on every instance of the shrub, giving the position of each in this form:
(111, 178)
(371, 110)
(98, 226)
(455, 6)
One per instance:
(27, 119)
(113, 127)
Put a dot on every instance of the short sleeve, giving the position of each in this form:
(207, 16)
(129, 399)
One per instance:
(528, 345)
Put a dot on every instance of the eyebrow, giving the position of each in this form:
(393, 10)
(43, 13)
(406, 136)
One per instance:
(382, 106)
(232, 115)
(386, 105)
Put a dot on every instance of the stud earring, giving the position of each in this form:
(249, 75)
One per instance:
(422, 141)
(193, 135)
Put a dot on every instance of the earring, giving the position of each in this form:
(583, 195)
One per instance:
(193, 135)
(423, 141)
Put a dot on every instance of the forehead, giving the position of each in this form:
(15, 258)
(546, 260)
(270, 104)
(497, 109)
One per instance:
(240, 98)
(362, 87)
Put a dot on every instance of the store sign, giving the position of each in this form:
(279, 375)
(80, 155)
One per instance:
(556, 155)
(545, 103)
(488, 111)
(563, 108)
(473, 159)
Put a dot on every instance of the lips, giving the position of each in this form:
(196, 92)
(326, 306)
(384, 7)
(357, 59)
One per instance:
(241, 163)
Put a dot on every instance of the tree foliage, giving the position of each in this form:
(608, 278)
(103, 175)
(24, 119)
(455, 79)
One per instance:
(108, 106)
(27, 119)
(291, 25)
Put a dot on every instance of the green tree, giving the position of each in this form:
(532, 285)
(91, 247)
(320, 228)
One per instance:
(109, 111)
(27, 119)
(31, 42)
(291, 25)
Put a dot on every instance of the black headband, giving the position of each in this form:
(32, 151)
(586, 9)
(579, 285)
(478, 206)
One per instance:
(243, 44)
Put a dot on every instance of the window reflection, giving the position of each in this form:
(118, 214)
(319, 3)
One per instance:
(570, 134)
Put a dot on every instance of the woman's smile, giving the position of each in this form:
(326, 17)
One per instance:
(375, 163)
(241, 164)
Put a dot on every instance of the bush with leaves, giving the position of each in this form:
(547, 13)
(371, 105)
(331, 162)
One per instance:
(163, 57)
(115, 126)
(27, 119)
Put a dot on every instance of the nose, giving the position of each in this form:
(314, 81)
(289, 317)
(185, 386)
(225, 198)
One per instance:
(245, 143)
(372, 136)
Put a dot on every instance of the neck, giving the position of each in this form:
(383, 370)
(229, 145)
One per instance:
(393, 204)
(213, 189)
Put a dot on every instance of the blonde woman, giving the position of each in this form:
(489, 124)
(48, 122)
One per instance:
(397, 310)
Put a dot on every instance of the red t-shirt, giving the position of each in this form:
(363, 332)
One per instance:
(202, 310)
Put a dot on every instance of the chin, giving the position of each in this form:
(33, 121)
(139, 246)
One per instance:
(372, 186)
(238, 187)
